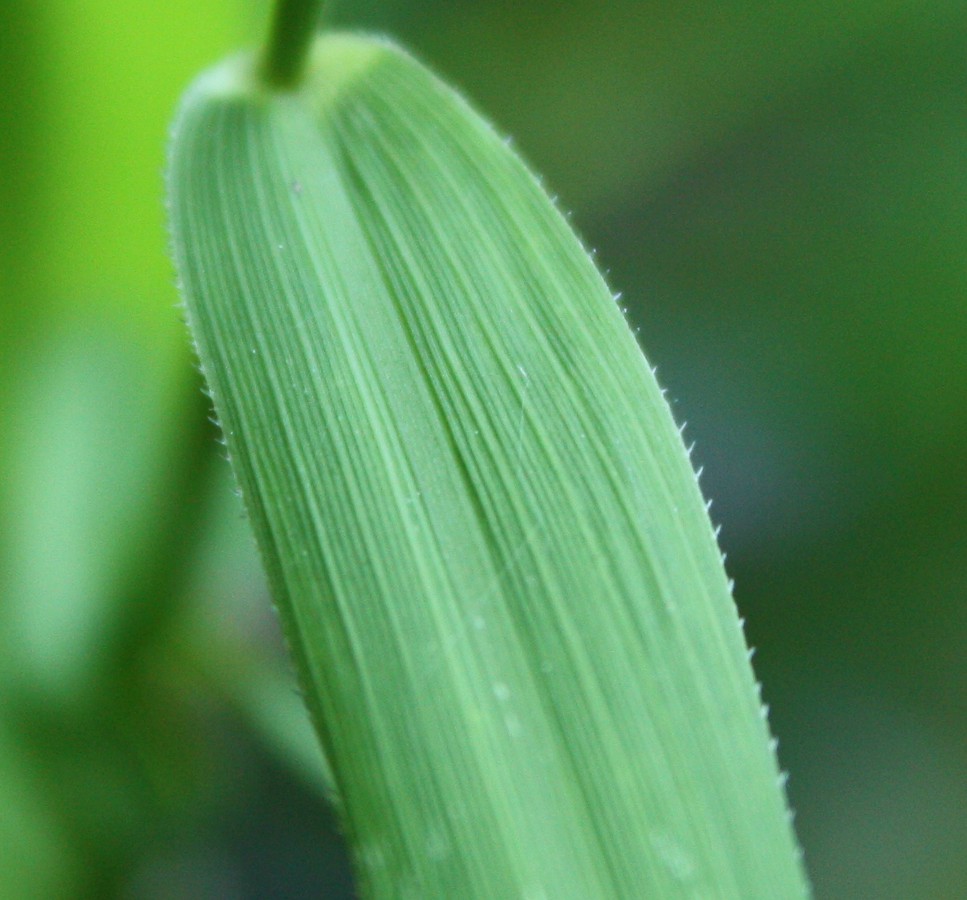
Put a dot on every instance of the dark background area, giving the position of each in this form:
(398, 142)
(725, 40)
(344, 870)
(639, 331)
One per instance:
(779, 191)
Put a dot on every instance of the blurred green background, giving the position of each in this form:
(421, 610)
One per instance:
(779, 191)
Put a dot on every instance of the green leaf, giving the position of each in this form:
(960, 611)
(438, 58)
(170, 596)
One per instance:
(491, 555)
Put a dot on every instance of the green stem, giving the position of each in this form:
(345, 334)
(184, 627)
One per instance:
(293, 27)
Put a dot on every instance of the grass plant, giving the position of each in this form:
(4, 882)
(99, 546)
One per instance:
(492, 559)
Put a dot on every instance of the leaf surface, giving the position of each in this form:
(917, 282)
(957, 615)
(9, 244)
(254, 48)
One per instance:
(491, 555)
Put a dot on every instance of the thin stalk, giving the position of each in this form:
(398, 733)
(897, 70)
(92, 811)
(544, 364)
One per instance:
(293, 27)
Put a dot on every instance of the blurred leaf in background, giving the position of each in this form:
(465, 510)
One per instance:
(780, 192)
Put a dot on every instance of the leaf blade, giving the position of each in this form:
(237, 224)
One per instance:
(491, 555)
